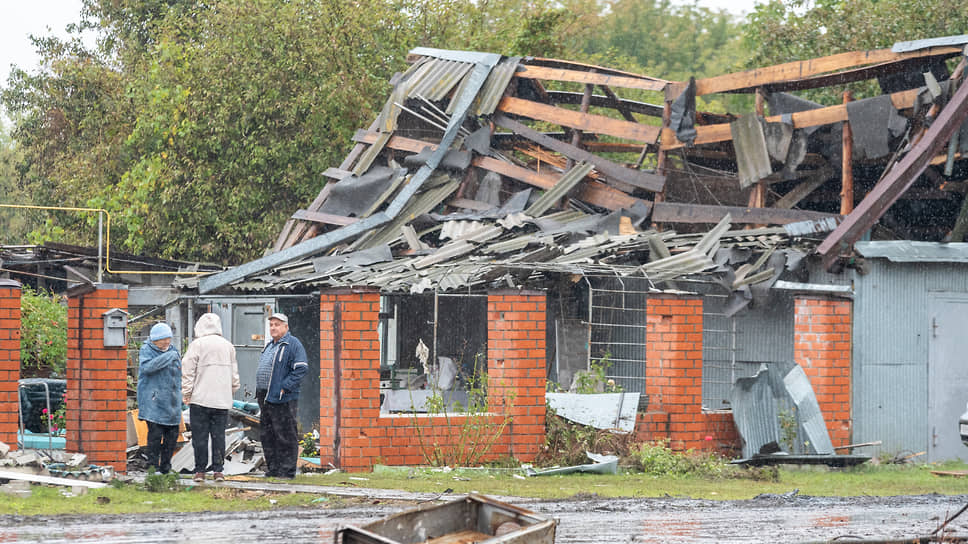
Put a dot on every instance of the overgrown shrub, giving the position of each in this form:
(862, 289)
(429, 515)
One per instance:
(567, 442)
(157, 482)
(43, 333)
(657, 459)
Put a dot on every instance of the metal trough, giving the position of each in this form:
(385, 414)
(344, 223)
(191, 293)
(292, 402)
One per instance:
(472, 519)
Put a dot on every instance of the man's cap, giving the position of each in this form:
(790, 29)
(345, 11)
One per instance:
(280, 317)
(159, 331)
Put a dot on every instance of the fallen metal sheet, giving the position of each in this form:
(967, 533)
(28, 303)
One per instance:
(754, 413)
(604, 464)
(599, 410)
(778, 390)
(808, 411)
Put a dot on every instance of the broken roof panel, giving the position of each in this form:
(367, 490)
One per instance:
(482, 137)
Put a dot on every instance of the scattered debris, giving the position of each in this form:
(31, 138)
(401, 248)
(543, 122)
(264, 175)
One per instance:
(604, 464)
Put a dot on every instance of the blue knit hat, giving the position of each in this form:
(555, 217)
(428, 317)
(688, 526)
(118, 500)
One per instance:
(159, 331)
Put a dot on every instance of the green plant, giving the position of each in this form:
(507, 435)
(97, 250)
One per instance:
(789, 429)
(658, 459)
(43, 332)
(595, 380)
(468, 432)
(157, 482)
(58, 420)
(308, 446)
(566, 442)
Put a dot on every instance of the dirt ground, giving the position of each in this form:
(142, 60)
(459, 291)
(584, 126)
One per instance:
(772, 518)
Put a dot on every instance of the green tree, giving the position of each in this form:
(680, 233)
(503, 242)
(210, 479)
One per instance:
(787, 30)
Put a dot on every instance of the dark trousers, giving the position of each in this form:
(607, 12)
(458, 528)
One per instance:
(208, 423)
(161, 445)
(280, 438)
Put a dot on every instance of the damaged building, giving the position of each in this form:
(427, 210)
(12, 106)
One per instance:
(508, 221)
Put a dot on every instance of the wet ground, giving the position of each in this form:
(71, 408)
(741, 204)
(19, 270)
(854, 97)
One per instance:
(766, 519)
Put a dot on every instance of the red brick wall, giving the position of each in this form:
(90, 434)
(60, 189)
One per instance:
(674, 365)
(516, 366)
(822, 330)
(96, 379)
(9, 360)
(354, 435)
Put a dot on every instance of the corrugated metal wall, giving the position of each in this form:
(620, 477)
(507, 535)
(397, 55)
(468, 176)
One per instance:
(890, 350)
(734, 347)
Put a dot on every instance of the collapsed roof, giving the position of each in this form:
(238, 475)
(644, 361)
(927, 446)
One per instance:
(485, 170)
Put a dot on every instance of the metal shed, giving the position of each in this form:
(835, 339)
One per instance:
(910, 382)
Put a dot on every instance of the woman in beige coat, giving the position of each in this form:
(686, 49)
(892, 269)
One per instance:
(210, 375)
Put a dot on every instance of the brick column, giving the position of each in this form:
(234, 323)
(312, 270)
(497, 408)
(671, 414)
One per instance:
(516, 366)
(674, 368)
(9, 360)
(349, 391)
(822, 340)
(96, 379)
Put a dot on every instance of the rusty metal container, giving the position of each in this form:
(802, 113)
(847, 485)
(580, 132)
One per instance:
(471, 519)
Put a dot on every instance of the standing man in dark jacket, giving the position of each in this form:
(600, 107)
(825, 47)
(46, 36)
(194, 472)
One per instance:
(281, 367)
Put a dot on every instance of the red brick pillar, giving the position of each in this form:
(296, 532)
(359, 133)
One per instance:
(96, 379)
(9, 360)
(822, 343)
(349, 390)
(516, 366)
(674, 367)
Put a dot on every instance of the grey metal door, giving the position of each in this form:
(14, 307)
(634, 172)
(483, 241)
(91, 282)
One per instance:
(947, 375)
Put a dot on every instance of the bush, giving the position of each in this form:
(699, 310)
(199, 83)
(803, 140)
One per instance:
(567, 442)
(43, 333)
(657, 459)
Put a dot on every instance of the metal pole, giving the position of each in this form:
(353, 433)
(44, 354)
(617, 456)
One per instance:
(100, 244)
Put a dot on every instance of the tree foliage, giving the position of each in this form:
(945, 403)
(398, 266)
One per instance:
(788, 30)
(202, 125)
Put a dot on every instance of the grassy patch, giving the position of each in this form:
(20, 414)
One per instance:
(884, 480)
(134, 498)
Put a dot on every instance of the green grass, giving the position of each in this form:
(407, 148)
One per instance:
(884, 480)
(130, 499)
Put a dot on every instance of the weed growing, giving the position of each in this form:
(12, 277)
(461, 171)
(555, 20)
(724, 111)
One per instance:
(156, 482)
(566, 442)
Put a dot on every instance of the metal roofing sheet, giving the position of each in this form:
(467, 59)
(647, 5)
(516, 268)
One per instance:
(914, 45)
(906, 251)
(496, 85)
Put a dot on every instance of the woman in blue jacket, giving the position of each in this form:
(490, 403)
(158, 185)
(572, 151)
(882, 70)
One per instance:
(159, 395)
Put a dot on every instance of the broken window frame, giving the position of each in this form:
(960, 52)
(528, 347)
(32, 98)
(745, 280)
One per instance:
(450, 320)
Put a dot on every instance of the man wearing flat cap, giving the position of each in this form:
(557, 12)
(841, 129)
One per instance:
(281, 368)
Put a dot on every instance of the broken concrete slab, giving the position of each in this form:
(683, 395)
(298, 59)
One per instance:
(10, 475)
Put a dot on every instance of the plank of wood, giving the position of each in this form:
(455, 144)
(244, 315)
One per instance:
(10, 475)
(589, 78)
(821, 116)
(792, 71)
(592, 192)
(586, 122)
(638, 178)
(955, 473)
